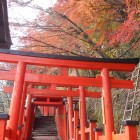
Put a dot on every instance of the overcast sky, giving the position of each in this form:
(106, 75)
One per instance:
(20, 14)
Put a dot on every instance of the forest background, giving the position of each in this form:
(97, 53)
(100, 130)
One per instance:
(96, 29)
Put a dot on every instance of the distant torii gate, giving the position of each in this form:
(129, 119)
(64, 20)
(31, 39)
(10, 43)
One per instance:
(21, 90)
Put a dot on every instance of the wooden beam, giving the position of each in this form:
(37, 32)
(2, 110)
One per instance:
(63, 80)
(7, 89)
(7, 75)
(66, 80)
(66, 63)
(62, 93)
(38, 103)
(53, 93)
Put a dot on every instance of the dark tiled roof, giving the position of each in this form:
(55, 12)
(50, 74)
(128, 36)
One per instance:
(5, 39)
(76, 58)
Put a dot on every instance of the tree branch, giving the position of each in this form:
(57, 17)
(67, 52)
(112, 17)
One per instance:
(52, 46)
(132, 46)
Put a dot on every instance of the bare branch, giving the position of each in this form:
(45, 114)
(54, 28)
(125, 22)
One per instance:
(52, 46)
(132, 46)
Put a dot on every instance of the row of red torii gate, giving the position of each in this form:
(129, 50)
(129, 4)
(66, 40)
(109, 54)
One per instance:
(71, 122)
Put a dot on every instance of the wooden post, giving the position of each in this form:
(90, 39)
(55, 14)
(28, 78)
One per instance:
(20, 122)
(28, 115)
(131, 129)
(92, 126)
(61, 122)
(46, 108)
(98, 132)
(3, 120)
(77, 133)
(83, 116)
(76, 119)
(107, 101)
(70, 116)
(16, 100)
(30, 122)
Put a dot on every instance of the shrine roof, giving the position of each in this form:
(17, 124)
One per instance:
(65, 57)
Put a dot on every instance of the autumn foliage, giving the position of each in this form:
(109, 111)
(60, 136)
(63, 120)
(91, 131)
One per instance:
(85, 28)
(126, 30)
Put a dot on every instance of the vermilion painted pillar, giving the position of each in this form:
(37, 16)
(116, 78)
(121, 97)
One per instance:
(76, 117)
(61, 122)
(28, 112)
(20, 125)
(83, 116)
(130, 130)
(46, 111)
(33, 113)
(56, 116)
(64, 123)
(30, 122)
(77, 133)
(48, 100)
(24, 122)
(98, 133)
(51, 111)
(70, 116)
(107, 101)
(3, 120)
(46, 108)
(16, 100)
(92, 126)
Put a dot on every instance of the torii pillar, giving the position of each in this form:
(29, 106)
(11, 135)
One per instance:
(16, 100)
(107, 99)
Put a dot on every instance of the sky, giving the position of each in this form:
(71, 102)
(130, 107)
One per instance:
(20, 14)
(16, 11)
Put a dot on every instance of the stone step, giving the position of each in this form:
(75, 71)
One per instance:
(45, 138)
(44, 128)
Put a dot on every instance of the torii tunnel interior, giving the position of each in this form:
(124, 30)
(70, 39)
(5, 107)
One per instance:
(60, 108)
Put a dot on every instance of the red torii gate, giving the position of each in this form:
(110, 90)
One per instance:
(22, 79)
